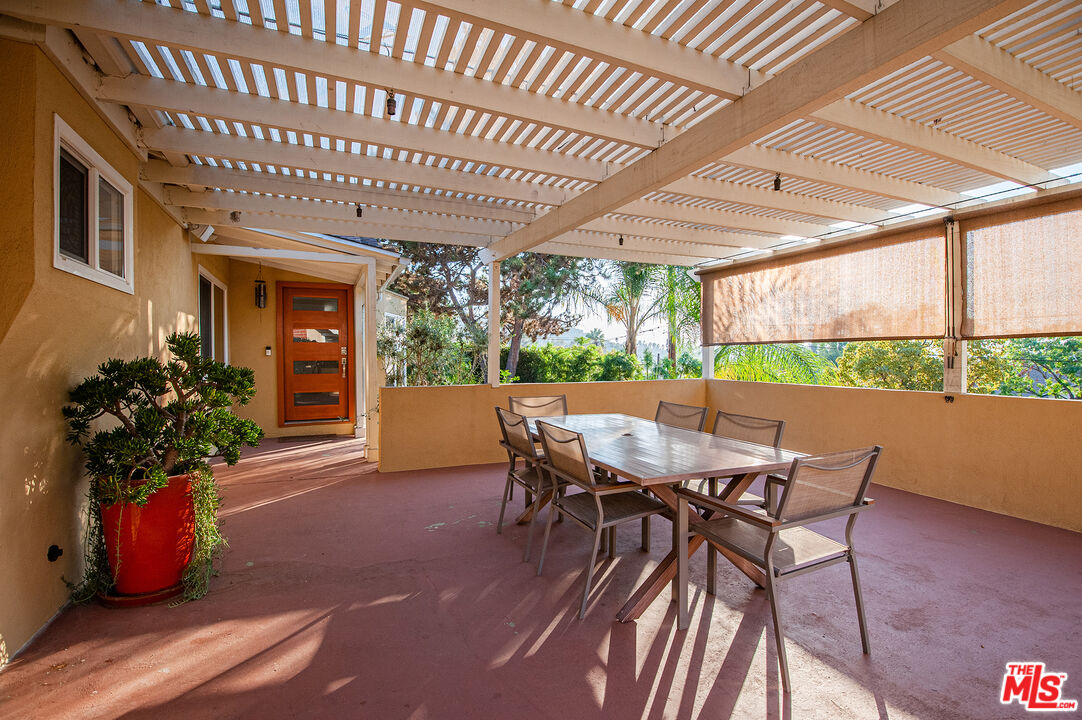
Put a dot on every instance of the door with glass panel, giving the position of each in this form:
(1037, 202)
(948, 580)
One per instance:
(317, 353)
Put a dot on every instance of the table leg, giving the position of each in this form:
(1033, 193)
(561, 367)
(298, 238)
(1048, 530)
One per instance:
(664, 573)
(711, 553)
(527, 514)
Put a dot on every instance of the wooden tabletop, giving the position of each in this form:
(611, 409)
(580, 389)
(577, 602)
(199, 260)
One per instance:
(650, 453)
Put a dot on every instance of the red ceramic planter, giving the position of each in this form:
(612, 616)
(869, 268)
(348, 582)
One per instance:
(148, 547)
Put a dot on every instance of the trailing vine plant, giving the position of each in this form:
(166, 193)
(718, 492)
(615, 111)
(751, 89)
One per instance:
(167, 419)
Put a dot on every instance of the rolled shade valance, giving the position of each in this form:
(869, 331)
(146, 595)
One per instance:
(1023, 272)
(882, 288)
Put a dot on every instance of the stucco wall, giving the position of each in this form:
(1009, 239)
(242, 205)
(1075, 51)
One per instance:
(423, 427)
(251, 330)
(58, 328)
(1016, 456)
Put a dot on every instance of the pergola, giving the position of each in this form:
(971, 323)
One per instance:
(663, 131)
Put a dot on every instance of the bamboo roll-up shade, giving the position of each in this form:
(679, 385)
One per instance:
(882, 288)
(1024, 272)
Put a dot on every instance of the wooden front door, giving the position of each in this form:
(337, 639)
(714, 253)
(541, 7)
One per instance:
(317, 351)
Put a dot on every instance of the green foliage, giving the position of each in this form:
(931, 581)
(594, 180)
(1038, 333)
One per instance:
(582, 362)
(782, 363)
(1045, 367)
(892, 364)
(432, 348)
(169, 417)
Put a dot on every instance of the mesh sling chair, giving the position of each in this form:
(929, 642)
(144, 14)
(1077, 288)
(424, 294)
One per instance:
(762, 431)
(818, 488)
(519, 446)
(689, 417)
(539, 406)
(601, 506)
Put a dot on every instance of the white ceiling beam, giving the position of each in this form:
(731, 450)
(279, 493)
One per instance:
(829, 173)
(745, 194)
(356, 193)
(609, 241)
(136, 91)
(154, 23)
(661, 231)
(554, 247)
(223, 218)
(720, 218)
(244, 203)
(902, 132)
(898, 36)
(277, 253)
(67, 55)
(1006, 73)
(142, 92)
(583, 33)
(265, 152)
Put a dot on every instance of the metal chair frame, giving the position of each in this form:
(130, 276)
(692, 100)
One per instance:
(537, 405)
(681, 412)
(772, 528)
(601, 490)
(518, 448)
(753, 424)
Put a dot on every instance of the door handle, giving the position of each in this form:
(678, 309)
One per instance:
(344, 361)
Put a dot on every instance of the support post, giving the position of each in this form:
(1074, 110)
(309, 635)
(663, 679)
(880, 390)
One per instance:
(494, 324)
(708, 362)
(371, 366)
(954, 347)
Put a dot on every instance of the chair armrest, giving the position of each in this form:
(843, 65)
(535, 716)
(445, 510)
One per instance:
(727, 508)
(809, 519)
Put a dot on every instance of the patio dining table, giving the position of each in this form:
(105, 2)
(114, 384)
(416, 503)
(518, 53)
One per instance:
(660, 457)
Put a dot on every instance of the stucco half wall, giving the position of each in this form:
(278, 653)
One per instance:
(426, 427)
(1017, 456)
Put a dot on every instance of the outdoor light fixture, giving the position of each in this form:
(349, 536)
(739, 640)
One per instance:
(777, 182)
(392, 104)
(260, 290)
(621, 239)
(360, 211)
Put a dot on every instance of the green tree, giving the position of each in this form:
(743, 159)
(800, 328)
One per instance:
(618, 365)
(784, 363)
(892, 364)
(680, 304)
(626, 300)
(1045, 367)
(534, 296)
(597, 337)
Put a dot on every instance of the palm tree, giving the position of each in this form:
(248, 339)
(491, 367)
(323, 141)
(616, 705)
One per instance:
(786, 363)
(681, 305)
(596, 337)
(625, 299)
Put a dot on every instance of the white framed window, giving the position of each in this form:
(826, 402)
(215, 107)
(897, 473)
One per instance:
(92, 213)
(213, 318)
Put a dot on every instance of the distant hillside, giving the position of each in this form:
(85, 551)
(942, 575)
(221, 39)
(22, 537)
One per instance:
(571, 336)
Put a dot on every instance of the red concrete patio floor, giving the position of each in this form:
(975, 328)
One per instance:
(347, 593)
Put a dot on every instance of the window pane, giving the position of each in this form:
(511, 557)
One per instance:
(110, 229)
(219, 324)
(315, 367)
(316, 304)
(72, 208)
(315, 335)
(206, 318)
(315, 398)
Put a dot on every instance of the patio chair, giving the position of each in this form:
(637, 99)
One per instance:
(519, 445)
(689, 417)
(539, 406)
(818, 488)
(603, 504)
(762, 431)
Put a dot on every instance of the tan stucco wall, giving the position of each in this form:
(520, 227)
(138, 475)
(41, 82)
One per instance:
(423, 427)
(251, 330)
(1016, 456)
(64, 326)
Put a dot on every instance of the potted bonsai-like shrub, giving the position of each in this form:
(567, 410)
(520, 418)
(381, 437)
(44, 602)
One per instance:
(153, 514)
